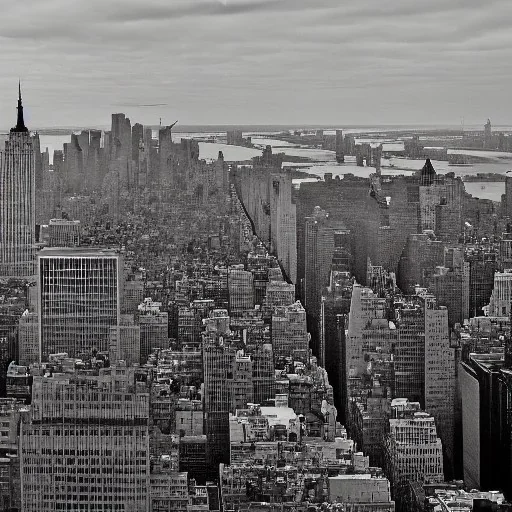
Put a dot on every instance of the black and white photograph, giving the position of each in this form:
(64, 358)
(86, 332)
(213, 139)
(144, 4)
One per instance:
(255, 256)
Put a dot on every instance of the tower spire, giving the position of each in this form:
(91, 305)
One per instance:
(20, 124)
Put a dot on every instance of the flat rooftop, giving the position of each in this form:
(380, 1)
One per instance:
(76, 252)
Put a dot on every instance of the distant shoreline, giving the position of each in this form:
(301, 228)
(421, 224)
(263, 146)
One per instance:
(255, 128)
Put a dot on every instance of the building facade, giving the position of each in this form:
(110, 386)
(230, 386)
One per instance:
(17, 202)
(79, 299)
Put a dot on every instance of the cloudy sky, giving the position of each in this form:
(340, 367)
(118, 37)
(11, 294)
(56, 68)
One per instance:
(257, 61)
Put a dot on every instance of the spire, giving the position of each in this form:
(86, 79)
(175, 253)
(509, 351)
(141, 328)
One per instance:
(427, 173)
(20, 124)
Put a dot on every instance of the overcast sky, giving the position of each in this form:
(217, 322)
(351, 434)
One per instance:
(257, 61)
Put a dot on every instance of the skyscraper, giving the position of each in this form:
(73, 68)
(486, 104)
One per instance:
(154, 328)
(241, 296)
(283, 224)
(79, 299)
(218, 361)
(340, 153)
(325, 238)
(413, 451)
(86, 445)
(289, 332)
(17, 201)
(484, 384)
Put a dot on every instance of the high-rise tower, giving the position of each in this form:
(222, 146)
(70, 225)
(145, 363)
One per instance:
(79, 299)
(17, 201)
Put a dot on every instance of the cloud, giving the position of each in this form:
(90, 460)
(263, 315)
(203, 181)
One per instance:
(258, 61)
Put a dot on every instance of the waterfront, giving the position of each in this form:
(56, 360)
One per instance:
(323, 161)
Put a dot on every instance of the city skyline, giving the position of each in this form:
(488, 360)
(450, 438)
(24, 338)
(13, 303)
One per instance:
(309, 313)
(238, 62)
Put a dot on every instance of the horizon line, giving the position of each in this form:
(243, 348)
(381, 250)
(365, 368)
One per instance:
(305, 126)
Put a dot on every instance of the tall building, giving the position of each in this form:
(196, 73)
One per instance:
(326, 239)
(499, 304)
(234, 137)
(440, 379)
(488, 135)
(482, 267)
(333, 314)
(410, 352)
(125, 341)
(507, 197)
(413, 452)
(241, 295)
(263, 374)
(64, 233)
(450, 285)
(218, 362)
(86, 443)
(289, 332)
(73, 166)
(283, 224)
(406, 348)
(340, 150)
(484, 384)
(79, 293)
(367, 320)
(154, 328)
(28, 339)
(17, 201)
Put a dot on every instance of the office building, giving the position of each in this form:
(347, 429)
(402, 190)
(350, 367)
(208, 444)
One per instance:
(289, 332)
(86, 444)
(283, 224)
(482, 266)
(240, 286)
(64, 233)
(450, 285)
(193, 456)
(422, 253)
(413, 453)
(234, 137)
(218, 364)
(499, 305)
(28, 339)
(484, 384)
(440, 379)
(79, 292)
(189, 417)
(279, 293)
(125, 341)
(17, 201)
(154, 328)
(263, 374)
(73, 166)
(340, 149)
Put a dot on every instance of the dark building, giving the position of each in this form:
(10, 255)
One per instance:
(482, 267)
(192, 457)
(340, 150)
(485, 384)
(421, 255)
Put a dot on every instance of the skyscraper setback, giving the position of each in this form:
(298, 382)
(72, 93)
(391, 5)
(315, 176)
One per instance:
(17, 201)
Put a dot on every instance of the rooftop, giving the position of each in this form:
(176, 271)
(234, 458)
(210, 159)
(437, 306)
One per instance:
(77, 252)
